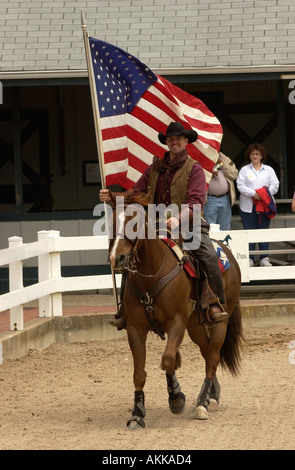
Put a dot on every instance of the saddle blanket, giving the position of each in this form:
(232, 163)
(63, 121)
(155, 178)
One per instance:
(223, 262)
(222, 258)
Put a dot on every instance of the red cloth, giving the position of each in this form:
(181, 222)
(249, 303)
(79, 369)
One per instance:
(267, 204)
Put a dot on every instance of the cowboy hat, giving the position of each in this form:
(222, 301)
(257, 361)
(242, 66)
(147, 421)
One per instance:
(176, 128)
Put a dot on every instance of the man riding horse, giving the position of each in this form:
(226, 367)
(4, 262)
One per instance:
(178, 179)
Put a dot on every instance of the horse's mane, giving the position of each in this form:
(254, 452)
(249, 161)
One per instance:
(138, 198)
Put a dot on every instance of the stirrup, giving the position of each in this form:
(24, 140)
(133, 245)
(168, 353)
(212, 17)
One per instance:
(120, 323)
(218, 314)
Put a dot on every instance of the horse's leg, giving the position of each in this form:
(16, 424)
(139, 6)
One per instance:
(210, 345)
(137, 340)
(176, 397)
(214, 394)
(217, 336)
(171, 360)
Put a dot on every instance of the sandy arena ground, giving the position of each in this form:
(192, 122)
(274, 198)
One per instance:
(80, 395)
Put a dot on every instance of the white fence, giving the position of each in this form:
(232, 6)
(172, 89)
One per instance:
(238, 242)
(50, 286)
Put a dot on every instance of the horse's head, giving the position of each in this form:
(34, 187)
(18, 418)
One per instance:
(128, 228)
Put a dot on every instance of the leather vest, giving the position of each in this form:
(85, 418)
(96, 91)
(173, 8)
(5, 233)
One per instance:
(179, 185)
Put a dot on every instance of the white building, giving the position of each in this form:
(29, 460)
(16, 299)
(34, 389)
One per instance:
(238, 57)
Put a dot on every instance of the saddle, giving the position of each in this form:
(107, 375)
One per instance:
(194, 269)
(202, 293)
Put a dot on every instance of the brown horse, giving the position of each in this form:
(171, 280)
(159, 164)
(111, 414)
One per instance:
(156, 297)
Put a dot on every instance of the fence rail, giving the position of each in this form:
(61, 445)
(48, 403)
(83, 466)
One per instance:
(238, 241)
(50, 286)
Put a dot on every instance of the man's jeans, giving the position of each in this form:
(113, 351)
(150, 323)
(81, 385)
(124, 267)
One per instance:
(206, 254)
(254, 220)
(217, 210)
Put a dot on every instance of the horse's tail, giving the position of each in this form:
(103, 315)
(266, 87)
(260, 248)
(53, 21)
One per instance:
(230, 357)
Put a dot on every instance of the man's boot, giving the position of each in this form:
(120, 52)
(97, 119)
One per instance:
(216, 313)
(119, 320)
(208, 258)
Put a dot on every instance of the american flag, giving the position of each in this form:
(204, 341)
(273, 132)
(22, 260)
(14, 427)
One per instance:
(134, 106)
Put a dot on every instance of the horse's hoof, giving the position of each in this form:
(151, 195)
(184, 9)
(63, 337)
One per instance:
(201, 413)
(213, 405)
(135, 423)
(177, 406)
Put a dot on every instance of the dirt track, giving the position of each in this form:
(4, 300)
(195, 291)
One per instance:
(80, 395)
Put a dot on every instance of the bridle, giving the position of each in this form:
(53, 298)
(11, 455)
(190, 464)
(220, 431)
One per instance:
(131, 265)
(147, 297)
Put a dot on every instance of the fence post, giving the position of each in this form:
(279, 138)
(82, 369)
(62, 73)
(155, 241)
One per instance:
(16, 282)
(48, 268)
(55, 274)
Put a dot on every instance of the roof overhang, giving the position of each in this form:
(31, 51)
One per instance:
(267, 72)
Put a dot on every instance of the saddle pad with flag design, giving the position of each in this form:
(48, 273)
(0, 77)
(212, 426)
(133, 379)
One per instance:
(222, 258)
(223, 262)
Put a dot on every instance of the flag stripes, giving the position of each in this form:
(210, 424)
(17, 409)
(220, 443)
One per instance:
(130, 138)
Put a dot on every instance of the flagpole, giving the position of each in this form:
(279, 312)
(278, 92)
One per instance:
(94, 101)
(97, 127)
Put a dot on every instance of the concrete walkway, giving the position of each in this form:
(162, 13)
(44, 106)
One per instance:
(86, 318)
(88, 304)
(72, 305)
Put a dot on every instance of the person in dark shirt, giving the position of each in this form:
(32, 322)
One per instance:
(178, 179)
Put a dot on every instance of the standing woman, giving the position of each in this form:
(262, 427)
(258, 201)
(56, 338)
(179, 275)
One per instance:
(253, 177)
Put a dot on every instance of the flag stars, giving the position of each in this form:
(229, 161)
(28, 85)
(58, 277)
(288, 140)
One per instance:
(120, 78)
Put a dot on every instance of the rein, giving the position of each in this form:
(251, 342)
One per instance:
(147, 298)
(150, 276)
